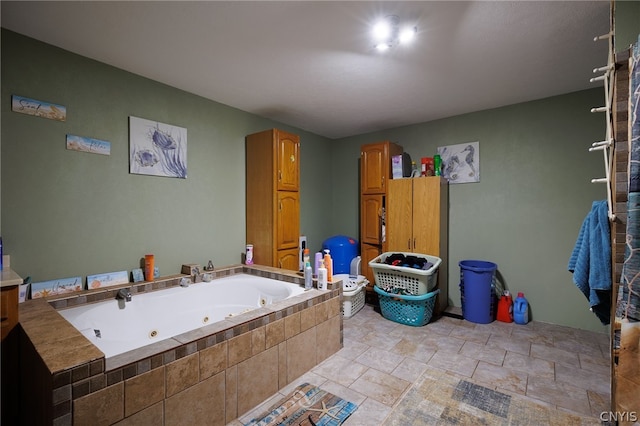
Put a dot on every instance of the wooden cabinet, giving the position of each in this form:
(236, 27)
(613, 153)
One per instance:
(371, 219)
(417, 221)
(376, 167)
(273, 197)
(375, 173)
(8, 309)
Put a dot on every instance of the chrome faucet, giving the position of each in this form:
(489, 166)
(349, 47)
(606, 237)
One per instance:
(124, 294)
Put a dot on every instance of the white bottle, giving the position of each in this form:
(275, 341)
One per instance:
(308, 276)
(322, 277)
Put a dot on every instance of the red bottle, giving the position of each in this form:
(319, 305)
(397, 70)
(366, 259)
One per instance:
(505, 308)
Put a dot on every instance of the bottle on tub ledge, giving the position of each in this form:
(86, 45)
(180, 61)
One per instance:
(308, 276)
(248, 259)
(322, 277)
(521, 309)
(328, 264)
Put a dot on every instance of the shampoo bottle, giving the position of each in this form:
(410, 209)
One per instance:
(317, 263)
(328, 264)
(322, 277)
(308, 276)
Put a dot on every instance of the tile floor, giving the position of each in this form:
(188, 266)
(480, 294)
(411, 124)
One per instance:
(560, 367)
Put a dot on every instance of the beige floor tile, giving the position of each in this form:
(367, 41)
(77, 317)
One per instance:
(533, 366)
(380, 340)
(584, 379)
(409, 370)
(380, 386)
(352, 349)
(501, 377)
(379, 359)
(560, 394)
(453, 362)
(559, 356)
(599, 365)
(341, 370)
(510, 344)
(369, 413)
(483, 352)
(475, 334)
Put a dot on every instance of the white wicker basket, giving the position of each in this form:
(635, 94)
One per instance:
(415, 281)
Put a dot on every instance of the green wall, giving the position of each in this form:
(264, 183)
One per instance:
(66, 213)
(526, 211)
(627, 23)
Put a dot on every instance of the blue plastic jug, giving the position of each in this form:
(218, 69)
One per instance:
(521, 309)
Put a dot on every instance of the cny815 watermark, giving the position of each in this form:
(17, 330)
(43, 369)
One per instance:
(619, 416)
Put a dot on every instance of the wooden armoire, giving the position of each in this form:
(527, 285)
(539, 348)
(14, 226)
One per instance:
(417, 222)
(273, 197)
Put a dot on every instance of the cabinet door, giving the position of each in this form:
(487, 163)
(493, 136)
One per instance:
(8, 309)
(375, 168)
(369, 252)
(288, 161)
(371, 219)
(400, 202)
(287, 220)
(287, 259)
(426, 215)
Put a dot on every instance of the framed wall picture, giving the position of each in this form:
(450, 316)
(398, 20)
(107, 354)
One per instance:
(461, 162)
(157, 149)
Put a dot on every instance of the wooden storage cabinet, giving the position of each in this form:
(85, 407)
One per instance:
(273, 197)
(375, 173)
(417, 221)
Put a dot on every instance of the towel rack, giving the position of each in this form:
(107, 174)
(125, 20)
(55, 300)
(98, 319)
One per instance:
(607, 145)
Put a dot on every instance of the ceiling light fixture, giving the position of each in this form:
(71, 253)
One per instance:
(387, 33)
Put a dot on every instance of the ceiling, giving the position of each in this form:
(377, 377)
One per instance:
(311, 64)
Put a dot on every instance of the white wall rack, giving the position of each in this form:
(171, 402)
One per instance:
(607, 145)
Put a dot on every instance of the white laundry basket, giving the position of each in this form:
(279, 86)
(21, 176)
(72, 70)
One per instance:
(352, 292)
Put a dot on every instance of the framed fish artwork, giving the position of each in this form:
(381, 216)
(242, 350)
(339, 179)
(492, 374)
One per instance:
(461, 162)
(157, 149)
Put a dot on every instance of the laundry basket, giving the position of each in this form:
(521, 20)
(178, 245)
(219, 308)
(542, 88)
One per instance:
(353, 293)
(408, 310)
(415, 281)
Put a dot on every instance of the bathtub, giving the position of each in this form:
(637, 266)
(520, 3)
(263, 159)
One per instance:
(115, 326)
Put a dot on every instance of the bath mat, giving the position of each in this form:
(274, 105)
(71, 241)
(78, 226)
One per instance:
(307, 405)
(439, 398)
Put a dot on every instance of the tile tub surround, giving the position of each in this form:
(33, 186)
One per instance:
(216, 372)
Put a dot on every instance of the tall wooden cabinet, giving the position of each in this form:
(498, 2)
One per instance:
(273, 197)
(417, 222)
(375, 174)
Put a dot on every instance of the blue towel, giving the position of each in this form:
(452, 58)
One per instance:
(590, 261)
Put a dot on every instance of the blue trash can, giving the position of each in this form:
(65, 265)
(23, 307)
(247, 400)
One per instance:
(343, 249)
(476, 290)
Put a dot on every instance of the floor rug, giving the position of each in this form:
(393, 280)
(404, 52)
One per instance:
(439, 398)
(307, 405)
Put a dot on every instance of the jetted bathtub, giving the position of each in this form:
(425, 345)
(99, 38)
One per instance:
(115, 326)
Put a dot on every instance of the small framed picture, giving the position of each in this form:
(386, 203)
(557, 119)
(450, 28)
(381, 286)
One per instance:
(137, 275)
